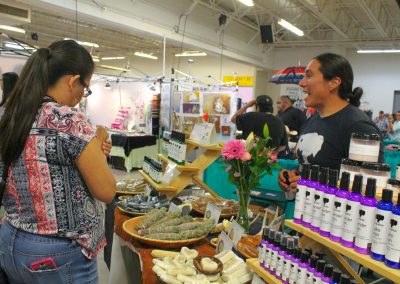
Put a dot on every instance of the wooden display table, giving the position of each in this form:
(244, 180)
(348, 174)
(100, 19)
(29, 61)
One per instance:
(144, 251)
(337, 250)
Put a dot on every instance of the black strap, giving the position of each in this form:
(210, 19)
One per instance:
(3, 182)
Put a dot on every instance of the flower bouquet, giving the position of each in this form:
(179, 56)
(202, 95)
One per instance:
(247, 162)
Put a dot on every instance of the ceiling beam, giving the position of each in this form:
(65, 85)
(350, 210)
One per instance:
(322, 17)
(372, 17)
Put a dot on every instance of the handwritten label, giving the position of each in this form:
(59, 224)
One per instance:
(212, 212)
(225, 243)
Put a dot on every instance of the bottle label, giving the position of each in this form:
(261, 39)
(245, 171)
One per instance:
(380, 231)
(309, 203)
(262, 252)
(393, 243)
(364, 226)
(286, 269)
(327, 210)
(317, 208)
(274, 257)
(267, 260)
(301, 275)
(279, 265)
(364, 150)
(350, 220)
(339, 210)
(293, 272)
(310, 277)
(300, 201)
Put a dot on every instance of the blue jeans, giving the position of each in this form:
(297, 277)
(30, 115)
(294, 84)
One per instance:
(18, 249)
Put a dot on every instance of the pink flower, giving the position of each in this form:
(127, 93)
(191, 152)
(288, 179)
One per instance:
(233, 149)
(272, 157)
(236, 174)
(228, 169)
(262, 152)
(246, 156)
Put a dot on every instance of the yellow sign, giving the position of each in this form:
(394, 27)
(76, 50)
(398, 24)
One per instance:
(243, 81)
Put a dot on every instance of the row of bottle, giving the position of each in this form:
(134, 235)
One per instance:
(153, 168)
(354, 220)
(177, 147)
(280, 255)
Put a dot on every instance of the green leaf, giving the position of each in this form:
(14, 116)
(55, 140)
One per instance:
(266, 131)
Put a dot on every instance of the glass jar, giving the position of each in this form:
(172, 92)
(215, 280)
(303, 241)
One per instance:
(380, 172)
(394, 185)
(350, 166)
(364, 147)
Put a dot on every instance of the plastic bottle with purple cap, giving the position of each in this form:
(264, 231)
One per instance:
(301, 194)
(310, 191)
(318, 199)
(366, 214)
(329, 202)
(352, 210)
(339, 208)
(381, 227)
(392, 255)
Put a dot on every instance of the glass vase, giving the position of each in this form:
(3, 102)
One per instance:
(243, 215)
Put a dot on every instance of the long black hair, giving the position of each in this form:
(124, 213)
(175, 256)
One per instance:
(335, 65)
(41, 72)
(9, 81)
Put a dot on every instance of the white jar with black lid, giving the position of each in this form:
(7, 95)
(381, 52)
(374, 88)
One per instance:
(350, 166)
(378, 171)
(364, 147)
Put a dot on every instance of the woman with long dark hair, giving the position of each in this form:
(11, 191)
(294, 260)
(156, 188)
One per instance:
(56, 172)
(8, 81)
(325, 138)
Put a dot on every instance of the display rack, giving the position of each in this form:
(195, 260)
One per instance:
(254, 264)
(338, 251)
(190, 172)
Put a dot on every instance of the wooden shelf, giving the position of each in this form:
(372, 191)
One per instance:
(254, 264)
(217, 147)
(365, 260)
(157, 186)
(185, 168)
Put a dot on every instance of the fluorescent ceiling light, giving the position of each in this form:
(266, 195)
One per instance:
(113, 67)
(13, 29)
(85, 43)
(182, 73)
(190, 54)
(113, 58)
(145, 55)
(14, 45)
(379, 51)
(290, 27)
(249, 3)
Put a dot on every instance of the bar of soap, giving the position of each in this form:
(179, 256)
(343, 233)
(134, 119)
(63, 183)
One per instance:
(208, 264)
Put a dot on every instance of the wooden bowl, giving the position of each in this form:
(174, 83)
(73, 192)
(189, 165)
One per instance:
(130, 225)
(131, 213)
(197, 264)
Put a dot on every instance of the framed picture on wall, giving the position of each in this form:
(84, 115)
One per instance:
(217, 103)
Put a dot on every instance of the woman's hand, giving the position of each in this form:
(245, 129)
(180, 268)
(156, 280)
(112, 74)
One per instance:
(287, 181)
(106, 147)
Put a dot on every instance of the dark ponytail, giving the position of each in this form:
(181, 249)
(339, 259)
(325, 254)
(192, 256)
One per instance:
(9, 81)
(42, 71)
(335, 65)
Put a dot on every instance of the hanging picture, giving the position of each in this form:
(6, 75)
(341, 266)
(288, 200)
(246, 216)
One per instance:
(216, 103)
(216, 120)
(191, 97)
(192, 108)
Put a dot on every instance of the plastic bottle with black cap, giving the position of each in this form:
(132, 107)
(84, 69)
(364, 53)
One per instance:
(319, 273)
(329, 202)
(365, 223)
(274, 252)
(318, 199)
(302, 269)
(327, 277)
(262, 248)
(392, 255)
(294, 266)
(336, 277)
(310, 191)
(344, 279)
(381, 227)
(287, 261)
(312, 267)
(339, 208)
(352, 213)
(301, 193)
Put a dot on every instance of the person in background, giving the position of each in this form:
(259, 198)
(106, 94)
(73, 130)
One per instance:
(391, 121)
(382, 122)
(325, 139)
(56, 172)
(291, 117)
(395, 133)
(8, 81)
(255, 121)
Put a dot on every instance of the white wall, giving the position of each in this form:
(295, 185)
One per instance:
(377, 74)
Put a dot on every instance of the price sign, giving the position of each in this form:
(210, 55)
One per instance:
(212, 212)
(225, 243)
